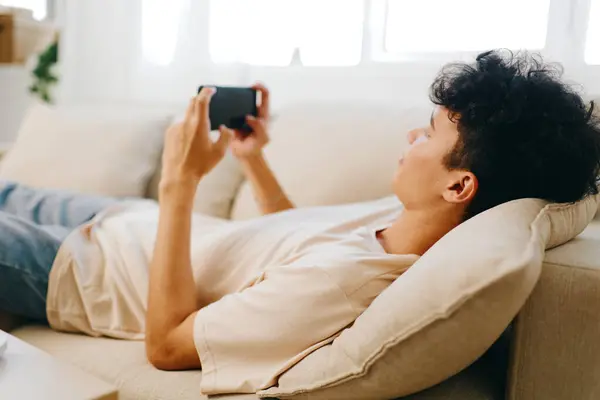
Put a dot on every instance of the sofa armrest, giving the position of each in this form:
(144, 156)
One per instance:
(556, 345)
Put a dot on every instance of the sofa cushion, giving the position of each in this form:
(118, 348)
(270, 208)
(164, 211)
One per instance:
(120, 362)
(123, 364)
(557, 331)
(103, 152)
(327, 154)
(445, 311)
(581, 252)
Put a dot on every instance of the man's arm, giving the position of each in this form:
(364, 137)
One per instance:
(189, 154)
(171, 293)
(248, 150)
(269, 195)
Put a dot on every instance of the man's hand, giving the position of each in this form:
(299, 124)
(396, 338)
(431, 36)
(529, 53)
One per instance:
(248, 149)
(189, 153)
(245, 146)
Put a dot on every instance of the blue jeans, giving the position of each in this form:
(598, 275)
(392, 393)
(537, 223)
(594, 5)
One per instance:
(33, 224)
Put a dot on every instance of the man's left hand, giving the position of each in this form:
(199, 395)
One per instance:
(189, 153)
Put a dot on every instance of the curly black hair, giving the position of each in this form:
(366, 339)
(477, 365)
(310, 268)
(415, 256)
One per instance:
(522, 131)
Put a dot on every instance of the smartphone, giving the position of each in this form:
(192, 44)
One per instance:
(230, 105)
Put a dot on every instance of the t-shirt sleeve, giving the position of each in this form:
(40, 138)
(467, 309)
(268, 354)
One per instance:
(247, 339)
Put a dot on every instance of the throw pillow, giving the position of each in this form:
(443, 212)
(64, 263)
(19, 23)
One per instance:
(110, 153)
(445, 311)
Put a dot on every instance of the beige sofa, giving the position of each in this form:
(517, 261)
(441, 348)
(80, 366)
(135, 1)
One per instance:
(325, 154)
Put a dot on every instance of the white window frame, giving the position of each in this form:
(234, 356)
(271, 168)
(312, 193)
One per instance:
(565, 43)
(565, 38)
(52, 9)
(567, 24)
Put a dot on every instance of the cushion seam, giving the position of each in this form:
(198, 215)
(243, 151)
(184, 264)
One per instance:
(578, 267)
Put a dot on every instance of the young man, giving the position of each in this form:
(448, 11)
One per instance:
(246, 300)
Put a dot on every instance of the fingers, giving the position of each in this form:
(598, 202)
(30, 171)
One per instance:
(264, 107)
(223, 142)
(189, 112)
(199, 104)
(259, 128)
(223, 130)
(253, 122)
(203, 101)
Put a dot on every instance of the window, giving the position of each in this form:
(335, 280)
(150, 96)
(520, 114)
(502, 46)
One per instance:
(160, 29)
(38, 7)
(592, 43)
(272, 32)
(429, 26)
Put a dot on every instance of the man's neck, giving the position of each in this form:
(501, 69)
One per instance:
(415, 231)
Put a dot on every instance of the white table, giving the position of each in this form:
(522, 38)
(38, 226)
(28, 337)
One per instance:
(29, 373)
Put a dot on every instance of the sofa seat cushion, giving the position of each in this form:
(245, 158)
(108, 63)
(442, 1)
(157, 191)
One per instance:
(123, 364)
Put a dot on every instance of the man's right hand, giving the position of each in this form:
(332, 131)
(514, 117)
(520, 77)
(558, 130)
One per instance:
(248, 149)
(245, 146)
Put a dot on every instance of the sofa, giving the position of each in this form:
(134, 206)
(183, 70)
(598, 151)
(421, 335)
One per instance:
(323, 154)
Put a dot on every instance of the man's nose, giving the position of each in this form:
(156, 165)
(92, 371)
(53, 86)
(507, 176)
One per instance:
(412, 136)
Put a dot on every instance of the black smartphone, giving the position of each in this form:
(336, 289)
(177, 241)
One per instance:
(230, 105)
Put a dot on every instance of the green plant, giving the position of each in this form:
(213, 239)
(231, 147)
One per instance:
(43, 76)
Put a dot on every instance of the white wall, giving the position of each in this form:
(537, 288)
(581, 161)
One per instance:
(14, 99)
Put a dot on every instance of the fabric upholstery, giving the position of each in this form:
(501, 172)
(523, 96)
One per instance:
(109, 153)
(557, 334)
(472, 295)
(330, 154)
(123, 364)
(120, 362)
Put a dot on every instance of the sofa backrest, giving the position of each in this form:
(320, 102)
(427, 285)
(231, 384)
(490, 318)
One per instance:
(335, 153)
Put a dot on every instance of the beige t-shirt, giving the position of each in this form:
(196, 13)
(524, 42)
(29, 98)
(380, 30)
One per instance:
(280, 286)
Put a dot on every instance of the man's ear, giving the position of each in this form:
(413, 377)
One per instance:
(461, 188)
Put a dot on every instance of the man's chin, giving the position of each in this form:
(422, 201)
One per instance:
(397, 179)
(398, 187)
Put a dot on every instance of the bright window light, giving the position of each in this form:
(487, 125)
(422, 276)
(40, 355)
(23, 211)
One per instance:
(268, 32)
(38, 7)
(592, 43)
(427, 26)
(253, 32)
(333, 37)
(160, 29)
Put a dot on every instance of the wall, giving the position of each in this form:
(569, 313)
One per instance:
(16, 79)
(14, 100)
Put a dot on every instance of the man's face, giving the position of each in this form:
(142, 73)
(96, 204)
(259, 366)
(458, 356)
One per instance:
(422, 180)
